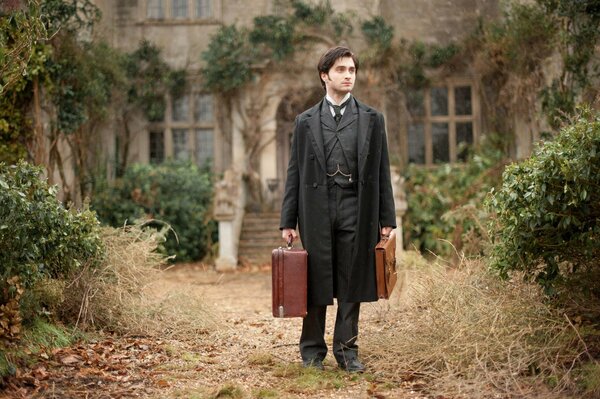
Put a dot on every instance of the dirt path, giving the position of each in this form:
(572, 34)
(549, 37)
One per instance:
(245, 353)
(259, 354)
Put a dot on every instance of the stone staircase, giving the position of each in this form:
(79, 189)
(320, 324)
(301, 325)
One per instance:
(260, 235)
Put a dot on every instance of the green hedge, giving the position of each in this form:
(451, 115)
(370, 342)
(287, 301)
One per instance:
(38, 236)
(175, 193)
(445, 204)
(548, 208)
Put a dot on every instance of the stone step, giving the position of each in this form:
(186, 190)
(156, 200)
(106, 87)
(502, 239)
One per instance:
(259, 236)
(268, 234)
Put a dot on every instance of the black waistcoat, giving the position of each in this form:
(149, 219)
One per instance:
(340, 144)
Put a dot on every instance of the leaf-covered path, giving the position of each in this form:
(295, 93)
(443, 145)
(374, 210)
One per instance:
(243, 353)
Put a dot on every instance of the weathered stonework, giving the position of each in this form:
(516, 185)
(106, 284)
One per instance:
(288, 88)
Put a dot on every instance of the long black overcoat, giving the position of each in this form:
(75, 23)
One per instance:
(305, 203)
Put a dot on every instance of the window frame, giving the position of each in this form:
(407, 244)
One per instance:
(427, 119)
(191, 17)
(169, 126)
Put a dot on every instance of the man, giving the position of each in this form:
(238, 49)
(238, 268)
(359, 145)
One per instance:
(339, 194)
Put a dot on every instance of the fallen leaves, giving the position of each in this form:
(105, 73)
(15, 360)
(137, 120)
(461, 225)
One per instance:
(253, 353)
(122, 367)
(71, 359)
(10, 316)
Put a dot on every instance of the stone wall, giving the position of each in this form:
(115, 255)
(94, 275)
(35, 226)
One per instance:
(436, 21)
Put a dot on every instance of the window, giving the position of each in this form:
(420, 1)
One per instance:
(179, 9)
(416, 143)
(203, 9)
(180, 145)
(155, 9)
(157, 146)
(180, 111)
(441, 124)
(187, 132)
(204, 146)
(203, 110)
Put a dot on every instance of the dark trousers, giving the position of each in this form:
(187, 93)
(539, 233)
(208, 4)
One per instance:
(312, 340)
(343, 211)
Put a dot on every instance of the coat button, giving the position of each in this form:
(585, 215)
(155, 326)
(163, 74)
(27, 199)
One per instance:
(315, 185)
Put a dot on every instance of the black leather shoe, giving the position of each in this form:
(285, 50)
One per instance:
(352, 366)
(314, 363)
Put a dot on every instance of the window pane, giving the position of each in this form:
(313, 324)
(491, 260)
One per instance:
(155, 9)
(462, 98)
(203, 8)
(416, 143)
(415, 103)
(464, 139)
(179, 8)
(439, 101)
(204, 146)
(180, 144)
(181, 109)
(439, 138)
(203, 108)
(157, 147)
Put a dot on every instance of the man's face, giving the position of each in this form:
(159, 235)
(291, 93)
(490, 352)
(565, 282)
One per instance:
(341, 77)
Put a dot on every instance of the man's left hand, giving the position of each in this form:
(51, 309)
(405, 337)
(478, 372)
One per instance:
(385, 231)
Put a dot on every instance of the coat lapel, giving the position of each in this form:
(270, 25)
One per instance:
(348, 117)
(327, 118)
(314, 127)
(365, 127)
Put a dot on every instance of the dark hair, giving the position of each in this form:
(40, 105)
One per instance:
(331, 56)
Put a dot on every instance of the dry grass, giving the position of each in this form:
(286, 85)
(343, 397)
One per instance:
(122, 294)
(467, 333)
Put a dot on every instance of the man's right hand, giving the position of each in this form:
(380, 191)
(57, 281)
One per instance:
(289, 235)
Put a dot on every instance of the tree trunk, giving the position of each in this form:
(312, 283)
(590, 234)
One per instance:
(39, 146)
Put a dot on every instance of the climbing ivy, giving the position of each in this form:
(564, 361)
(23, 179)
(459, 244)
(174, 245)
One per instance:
(228, 58)
(149, 79)
(403, 64)
(79, 83)
(378, 33)
(20, 32)
(233, 53)
(322, 16)
(274, 32)
(577, 45)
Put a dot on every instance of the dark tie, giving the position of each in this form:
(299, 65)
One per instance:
(338, 110)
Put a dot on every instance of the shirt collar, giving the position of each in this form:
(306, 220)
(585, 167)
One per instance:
(347, 96)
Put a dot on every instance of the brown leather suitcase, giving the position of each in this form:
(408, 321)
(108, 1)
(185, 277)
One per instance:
(385, 265)
(289, 279)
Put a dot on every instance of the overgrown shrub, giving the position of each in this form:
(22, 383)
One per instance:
(444, 204)
(39, 239)
(548, 208)
(175, 193)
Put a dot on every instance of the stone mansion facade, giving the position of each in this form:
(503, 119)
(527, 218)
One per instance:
(441, 119)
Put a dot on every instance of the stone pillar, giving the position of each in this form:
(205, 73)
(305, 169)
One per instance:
(401, 206)
(229, 215)
(227, 259)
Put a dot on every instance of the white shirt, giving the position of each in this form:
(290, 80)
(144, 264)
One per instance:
(347, 96)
